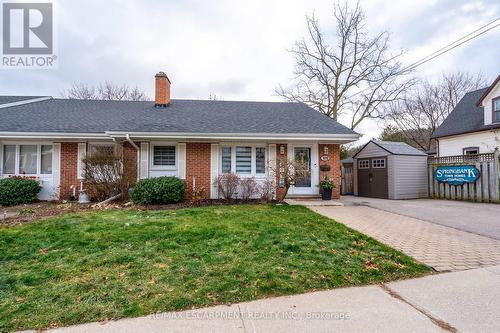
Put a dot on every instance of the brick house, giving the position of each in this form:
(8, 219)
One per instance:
(196, 140)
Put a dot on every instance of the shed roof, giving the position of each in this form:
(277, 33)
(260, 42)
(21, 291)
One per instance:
(395, 148)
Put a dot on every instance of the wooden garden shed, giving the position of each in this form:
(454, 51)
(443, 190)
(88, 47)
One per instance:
(390, 170)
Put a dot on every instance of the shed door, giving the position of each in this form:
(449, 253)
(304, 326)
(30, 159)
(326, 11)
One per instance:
(373, 178)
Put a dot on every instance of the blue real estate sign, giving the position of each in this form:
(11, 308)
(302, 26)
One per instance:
(456, 174)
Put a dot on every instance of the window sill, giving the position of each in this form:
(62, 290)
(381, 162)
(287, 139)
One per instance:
(163, 168)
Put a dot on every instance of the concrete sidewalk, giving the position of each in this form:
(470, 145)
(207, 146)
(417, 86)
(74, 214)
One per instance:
(467, 301)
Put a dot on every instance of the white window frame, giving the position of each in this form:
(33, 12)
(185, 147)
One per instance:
(253, 163)
(362, 167)
(230, 158)
(382, 166)
(468, 149)
(18, 145)
(102, 144)
(154, 167)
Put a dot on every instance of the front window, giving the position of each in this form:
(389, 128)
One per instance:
(46, 159)
(226, 159)
(101, 149)
(471, 151)
(27, 159)
(9, 159)
(260, 160)
(164, 155)
(244, 160)
(496, 110)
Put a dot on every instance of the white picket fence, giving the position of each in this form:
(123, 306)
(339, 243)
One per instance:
(487, 187)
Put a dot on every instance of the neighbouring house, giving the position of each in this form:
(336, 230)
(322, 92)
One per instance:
(390, 170)
(473, 127)
(46, 138)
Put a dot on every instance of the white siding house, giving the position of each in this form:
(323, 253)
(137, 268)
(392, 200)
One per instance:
(473, 127)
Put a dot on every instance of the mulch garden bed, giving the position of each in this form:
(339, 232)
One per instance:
(22, 214)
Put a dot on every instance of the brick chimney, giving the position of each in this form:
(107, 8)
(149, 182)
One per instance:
(162, 90)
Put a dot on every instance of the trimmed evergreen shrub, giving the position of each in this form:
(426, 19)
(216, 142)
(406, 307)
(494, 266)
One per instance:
(160, 190)
(18, 190)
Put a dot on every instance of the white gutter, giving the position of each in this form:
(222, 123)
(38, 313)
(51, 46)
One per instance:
(343, 138)
(25, 101)
(127, 137)
(237, 136)
(52, 135)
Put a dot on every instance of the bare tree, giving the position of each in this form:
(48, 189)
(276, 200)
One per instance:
(106, 174)
(112, 92)
(290, 171)
(426, 105)
(80, 90)
(135, 94)
(354, 75)
(104, 91)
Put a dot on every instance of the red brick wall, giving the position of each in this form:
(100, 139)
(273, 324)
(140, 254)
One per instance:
(198, 164)
(334, 163)
(69, 165)
(280, 191)
(162, 89)
(130, 163)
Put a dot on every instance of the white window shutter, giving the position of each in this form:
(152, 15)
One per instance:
(56, 169)
(272, 160)
(144, 164)
(272, 163)
(82, 152)
(214, 171)
(118, 149)
(181, 160)
(1, 159)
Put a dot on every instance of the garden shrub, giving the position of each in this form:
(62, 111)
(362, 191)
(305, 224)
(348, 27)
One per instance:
(248, 188)
(267, 189)
(107, 174)
(227, 185)
(18, 190)
(160, 190)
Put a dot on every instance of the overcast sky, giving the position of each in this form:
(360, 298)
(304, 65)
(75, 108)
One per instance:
(237, 49)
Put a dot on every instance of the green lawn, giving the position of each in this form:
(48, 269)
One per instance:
(100, 265)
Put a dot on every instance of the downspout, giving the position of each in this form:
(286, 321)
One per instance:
(129, 140)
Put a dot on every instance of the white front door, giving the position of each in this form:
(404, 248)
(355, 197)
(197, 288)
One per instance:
(307, 155)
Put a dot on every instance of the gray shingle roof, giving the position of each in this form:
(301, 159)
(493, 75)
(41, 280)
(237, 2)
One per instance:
(182, 116)
(12, 99)
(399, 148)
(466, 117)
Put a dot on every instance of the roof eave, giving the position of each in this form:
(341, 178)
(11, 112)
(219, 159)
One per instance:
(494, 127)
(337, 138)
(487, 92)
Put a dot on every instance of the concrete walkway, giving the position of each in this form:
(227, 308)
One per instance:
(466, 301)
(443, 248)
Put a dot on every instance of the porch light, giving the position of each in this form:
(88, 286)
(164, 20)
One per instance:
(325, 150)
(282, 150)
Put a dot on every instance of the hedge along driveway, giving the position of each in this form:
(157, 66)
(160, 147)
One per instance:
(111, 264)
